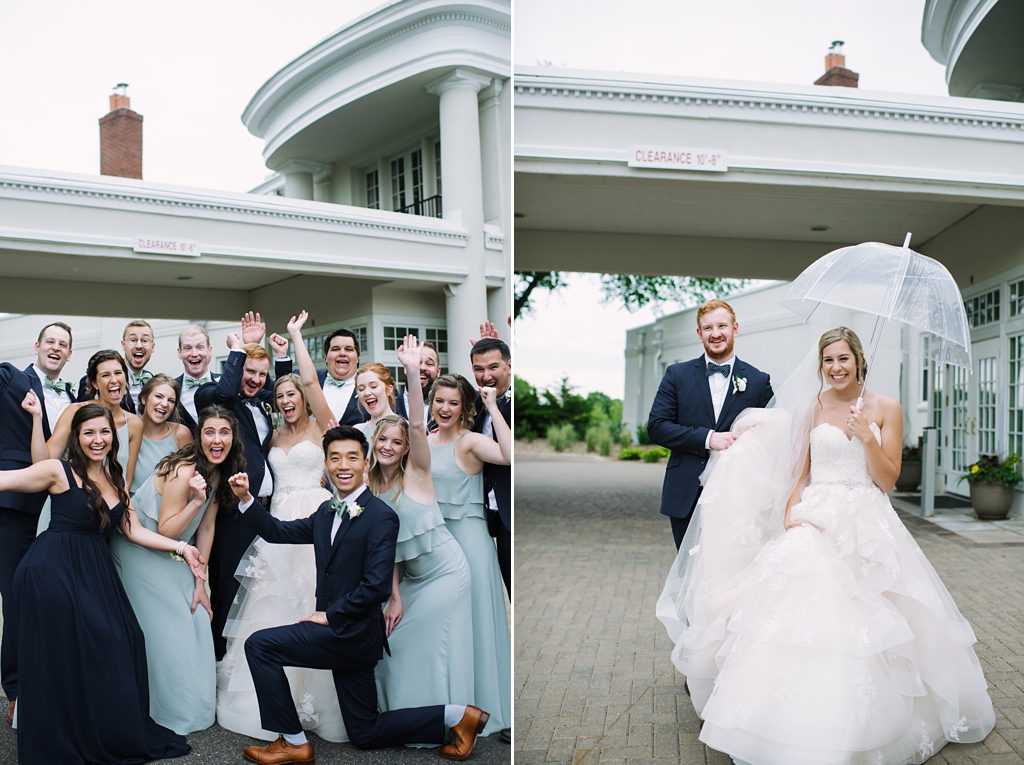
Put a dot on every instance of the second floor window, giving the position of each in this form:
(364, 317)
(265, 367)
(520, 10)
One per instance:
(398, 184)
(373, 190)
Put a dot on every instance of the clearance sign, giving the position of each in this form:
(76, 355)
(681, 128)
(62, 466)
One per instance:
(677, 158)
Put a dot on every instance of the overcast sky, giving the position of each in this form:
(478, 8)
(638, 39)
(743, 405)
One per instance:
(191, 68)
(573, 332)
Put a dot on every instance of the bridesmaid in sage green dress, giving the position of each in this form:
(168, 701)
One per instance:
(180, 500)
(457, 458)
(161, 434)
(429, 618)
(107, 374)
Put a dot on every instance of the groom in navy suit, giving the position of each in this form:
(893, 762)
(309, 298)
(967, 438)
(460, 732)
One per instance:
(695, 406)
(354, 541)
(19, 512)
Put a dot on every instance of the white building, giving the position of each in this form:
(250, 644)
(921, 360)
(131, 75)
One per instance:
(387, 210)
(653, 174)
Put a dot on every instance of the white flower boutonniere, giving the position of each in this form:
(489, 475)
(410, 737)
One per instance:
(739, 384)
(268, 409)
(354, 511)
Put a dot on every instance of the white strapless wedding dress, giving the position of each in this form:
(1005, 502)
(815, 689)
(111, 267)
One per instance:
(278, 586)
(838, 644)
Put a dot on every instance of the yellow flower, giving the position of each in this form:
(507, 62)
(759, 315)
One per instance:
(974, 468)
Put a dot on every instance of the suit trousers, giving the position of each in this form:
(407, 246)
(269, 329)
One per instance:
(503, 539)
(679, 525)
(17, 530)
(307, 644)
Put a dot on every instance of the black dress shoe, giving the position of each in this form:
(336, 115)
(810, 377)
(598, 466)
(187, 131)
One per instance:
(505, 734)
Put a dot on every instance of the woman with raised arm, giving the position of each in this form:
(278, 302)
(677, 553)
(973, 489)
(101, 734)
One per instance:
(181, 500)
(457, 459)
(161, 433)
(429, 618)
(83, 688)
(278, 582)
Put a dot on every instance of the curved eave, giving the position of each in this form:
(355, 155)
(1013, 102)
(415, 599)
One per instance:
(387, 29)
(947, 26)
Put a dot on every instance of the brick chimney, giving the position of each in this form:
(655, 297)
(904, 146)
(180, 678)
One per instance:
(836, 73)
(121, 137)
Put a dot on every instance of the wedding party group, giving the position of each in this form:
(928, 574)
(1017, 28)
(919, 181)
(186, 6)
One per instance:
(809, 625)
(313, 552)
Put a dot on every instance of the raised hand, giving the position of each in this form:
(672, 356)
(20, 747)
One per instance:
(487, 329)
(201, 598)
(198, 485)
(297, 323)
(253, 329)
(31, 404)
(239, 484)
(195, 562)
(234, 342)
(857, 425)
(280, 346)
(489, 396)
(409, 353)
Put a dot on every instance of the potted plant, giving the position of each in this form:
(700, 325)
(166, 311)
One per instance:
(910, 470)
(992, 483)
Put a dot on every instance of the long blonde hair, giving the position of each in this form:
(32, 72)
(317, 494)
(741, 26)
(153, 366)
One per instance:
(375, 473)
(295, 380)
(850, 337)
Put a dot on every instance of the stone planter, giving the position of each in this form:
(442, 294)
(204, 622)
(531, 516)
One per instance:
(910, 476)
(991, 501)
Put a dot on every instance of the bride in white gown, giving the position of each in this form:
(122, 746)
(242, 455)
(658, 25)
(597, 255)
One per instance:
(809, 624)
(278, 582)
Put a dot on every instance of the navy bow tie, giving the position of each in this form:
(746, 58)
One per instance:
(722, 369)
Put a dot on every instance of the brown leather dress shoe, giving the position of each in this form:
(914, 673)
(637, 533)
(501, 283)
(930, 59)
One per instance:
(281, 752)
(470, 726)
(10, 712)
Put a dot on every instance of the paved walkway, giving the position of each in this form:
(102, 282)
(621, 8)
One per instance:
(593, 679)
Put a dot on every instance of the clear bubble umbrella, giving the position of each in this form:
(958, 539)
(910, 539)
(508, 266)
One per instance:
(895, 284)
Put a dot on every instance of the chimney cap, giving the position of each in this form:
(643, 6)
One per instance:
(836, 48)
(121, 88)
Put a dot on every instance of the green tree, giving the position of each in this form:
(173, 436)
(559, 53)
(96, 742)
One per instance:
(634, 291)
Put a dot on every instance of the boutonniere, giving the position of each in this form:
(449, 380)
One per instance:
(507, 395)
(739, 384)
(340, 508)
(268, 409)
(354, 511)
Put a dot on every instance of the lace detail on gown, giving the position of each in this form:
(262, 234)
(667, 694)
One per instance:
(838, 643)
(277, 587)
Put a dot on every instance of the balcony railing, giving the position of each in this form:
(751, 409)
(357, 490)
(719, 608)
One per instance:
(431, 207)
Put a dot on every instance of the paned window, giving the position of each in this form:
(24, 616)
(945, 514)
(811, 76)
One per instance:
(982, 309)
(416, 161)
(373, 190)
(437, 165)
(938, 391)
(958, 412)
(393, 336)
(439, 337)
(1016, 426)
(926, 368)
(987, 405)
(1017, 298)
(398, 184)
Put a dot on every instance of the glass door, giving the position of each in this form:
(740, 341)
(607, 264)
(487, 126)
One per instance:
(973, 402)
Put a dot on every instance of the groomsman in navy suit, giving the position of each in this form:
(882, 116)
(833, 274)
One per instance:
(695, 406)
(19, 512)
(243, 389)
(138, 345)
(430, 370)
(341, 352)
(353, 538)
(195, 353)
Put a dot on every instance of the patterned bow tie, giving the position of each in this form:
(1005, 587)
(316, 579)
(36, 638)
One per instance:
(336, 382)
(722, 369)
(191, 382)
(141, 379)
(57, 385)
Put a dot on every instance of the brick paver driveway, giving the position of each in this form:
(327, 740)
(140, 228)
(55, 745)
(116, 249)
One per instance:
(593, 679)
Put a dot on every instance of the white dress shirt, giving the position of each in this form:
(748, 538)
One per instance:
(262, 430)
(720, 386)
(335, 524)
(338, 397)
(54, 402)
(188, 395)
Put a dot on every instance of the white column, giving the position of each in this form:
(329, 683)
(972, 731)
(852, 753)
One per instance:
(497, 193)
(300, 177)
(462, 200)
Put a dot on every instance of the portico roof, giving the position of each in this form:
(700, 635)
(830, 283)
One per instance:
(810, 168)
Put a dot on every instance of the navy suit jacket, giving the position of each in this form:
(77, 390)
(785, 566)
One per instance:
(682, 416)
(353, 575)
(16, 431)
(183, 414)
(225, 392)
(497, 477)
(353, 414)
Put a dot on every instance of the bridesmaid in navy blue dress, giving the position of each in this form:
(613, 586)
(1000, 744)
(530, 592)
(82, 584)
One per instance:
(84, 691)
